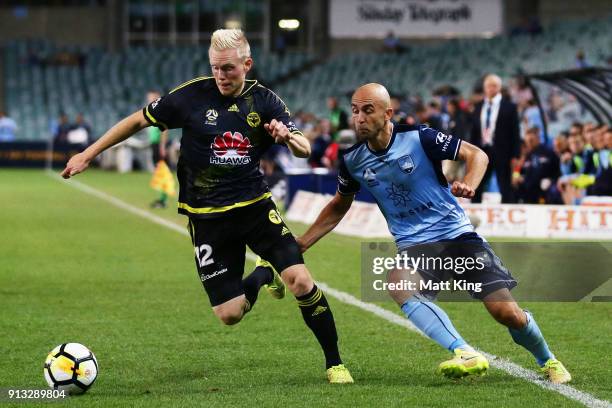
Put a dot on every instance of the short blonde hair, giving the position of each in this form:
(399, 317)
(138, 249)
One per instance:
(227, 39)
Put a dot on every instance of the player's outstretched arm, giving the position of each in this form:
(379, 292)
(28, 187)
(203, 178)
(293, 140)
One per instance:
(296, 142)
(118, 133)
(476, 162)
(327, 220)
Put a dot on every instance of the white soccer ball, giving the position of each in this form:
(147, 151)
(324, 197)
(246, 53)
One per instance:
(71, 367)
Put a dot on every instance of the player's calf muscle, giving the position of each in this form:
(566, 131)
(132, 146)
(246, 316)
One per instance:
(507, 313)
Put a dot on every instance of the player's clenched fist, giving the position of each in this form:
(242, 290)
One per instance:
(459, 189)
(278, 131)
(77, 164)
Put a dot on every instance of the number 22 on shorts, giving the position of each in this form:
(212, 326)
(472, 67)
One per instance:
(203, 254)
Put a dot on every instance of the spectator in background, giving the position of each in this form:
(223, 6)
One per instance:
(392, 44)
(330, 157)
(521, 93)
(79, 132)
(603, 181)
(419, 115)
(274, 176)
(320, 143)
(8, 128)
(426, 115)
(580, 153)
(576, 129)
(600, 156)
(307, 122)
(533, 119)
(496, 131)
(158, 140)
(337, 116)
(588, 132)
(457, 126)
(346, 138)
(577, 165)
(561, 149)
(581, 61)
(60, 134)
(457, 120)
(399, 116)
(539, 171)
(435, 117)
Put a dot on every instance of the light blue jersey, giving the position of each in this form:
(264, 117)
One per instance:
(407, 182)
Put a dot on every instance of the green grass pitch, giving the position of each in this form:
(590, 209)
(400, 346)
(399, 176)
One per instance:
(74, 268)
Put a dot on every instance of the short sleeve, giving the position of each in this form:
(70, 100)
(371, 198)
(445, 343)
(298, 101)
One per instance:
(164, 113)
(279, 111)
(347, 185)
(439, 146)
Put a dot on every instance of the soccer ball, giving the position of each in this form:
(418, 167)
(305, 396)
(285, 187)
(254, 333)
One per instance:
(71, 367)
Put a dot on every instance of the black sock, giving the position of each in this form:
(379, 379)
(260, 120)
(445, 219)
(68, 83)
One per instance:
(319, 318)
(252, 283)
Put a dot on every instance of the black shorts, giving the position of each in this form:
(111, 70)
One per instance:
(489, 276)
(220, 246)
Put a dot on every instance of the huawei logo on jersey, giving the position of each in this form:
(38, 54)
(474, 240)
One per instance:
(231, 148)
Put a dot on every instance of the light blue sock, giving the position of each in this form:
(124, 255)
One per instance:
(434, 322)
(532, 339)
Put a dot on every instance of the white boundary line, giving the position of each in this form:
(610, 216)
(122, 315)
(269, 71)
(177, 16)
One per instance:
(497, 362)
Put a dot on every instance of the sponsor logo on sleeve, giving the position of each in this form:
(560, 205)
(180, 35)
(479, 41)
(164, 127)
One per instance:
(444, 140)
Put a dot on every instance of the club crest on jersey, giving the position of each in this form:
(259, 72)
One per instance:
(406, 164)
(274, 217)
(231, 148)
(253, 119)
(211, 117)
(370, 177)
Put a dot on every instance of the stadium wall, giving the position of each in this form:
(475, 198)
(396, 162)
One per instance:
(62, 25)
(555, 10)
(365, 220)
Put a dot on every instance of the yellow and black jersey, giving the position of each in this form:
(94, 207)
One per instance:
(223, 140)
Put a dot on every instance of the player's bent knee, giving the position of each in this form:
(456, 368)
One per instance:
(298, 280)
(228, 317)
(230, 312)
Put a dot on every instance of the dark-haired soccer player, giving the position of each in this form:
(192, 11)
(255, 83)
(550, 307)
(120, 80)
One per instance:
(228, 122)
(401, 167)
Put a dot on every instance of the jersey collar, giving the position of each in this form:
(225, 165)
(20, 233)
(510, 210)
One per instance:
(248, 85)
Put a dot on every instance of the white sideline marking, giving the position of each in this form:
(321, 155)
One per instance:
(497, 362)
